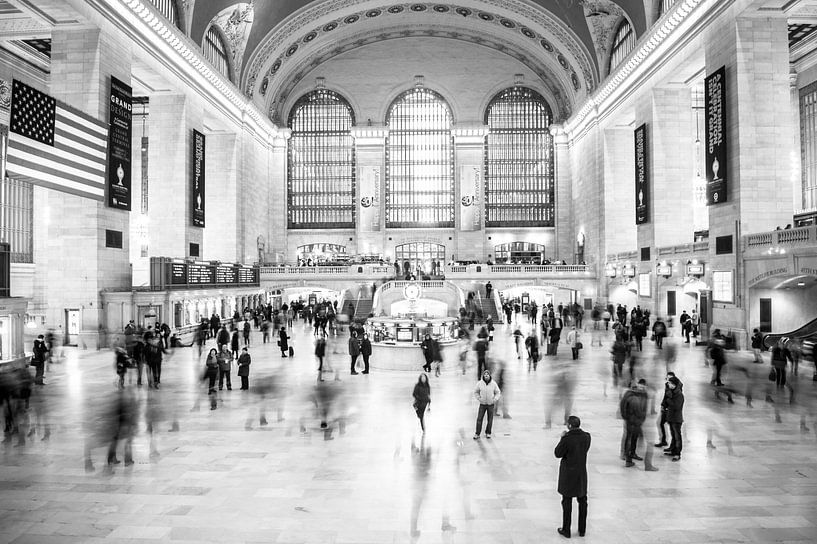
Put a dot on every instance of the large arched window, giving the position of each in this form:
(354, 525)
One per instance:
(519, 189)
(419, 161)
(170, 10)
(215, 50)
(664, 6)
(623, 44)
(321, 165)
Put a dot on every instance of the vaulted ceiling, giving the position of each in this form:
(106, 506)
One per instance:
(565, 42)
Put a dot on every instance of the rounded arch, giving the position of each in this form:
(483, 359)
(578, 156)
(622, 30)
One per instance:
(417, 90)
(218, 32)
(514, 93)
(320, 97)
(628, 41)
(535, 86)
(288, 105)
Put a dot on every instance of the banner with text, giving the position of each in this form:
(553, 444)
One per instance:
(197, 180)
(470, 189)
(642, 177)
(715, 104)
(369, 200)
(120, 107)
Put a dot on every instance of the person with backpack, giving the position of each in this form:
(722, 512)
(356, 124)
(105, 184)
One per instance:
(659, 331)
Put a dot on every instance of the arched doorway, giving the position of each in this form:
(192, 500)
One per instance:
(420, 258)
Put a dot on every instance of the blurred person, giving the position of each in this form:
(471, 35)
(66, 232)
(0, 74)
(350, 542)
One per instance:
(633, 408)
(265, 331)
(562, 385)
(572, 450)
(211, 369)
(247, 329)
(121, 363)
(517, 340)
(421, 461)
(662, 417)
(139, 359)
(320, 353)
(222, 338)
(481, 348)
(234, 344)
(38, 359)
(574, 341)
(757, 346)
(153, 357)
(422, 399)
(225, 359)
(244, 361)
(487, 393)
(619, 353)
(500, 376)
(659, 331)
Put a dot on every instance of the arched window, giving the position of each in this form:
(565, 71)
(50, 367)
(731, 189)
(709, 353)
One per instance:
(321, 165)
(623, 44)
(170, 10)
(419, 161)
(664, 6)
(519, 189)
(215, 51)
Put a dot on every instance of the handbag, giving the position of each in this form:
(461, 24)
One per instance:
(579, 345)
(772, 375)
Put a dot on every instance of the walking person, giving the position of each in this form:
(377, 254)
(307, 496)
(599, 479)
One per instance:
(234, 344)
(244, 361)
(757, 345)
(283, 341)
(429, 346)
(422, 399)
(633, 409)
(572, 450)
(366, 352)
(38, 359)
(320, 353)
(354, 352)
(659, 331)
(247, 333)
(487, 394)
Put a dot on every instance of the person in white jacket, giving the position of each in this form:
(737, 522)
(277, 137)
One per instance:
(487, 393)
(574, 341)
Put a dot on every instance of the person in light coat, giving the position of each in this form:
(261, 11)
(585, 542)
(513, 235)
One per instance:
(487, 394)
(573, 340)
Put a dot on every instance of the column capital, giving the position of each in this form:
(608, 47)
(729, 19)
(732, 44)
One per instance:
(465, 135)
(369, 136)
(279, 139)
(559, 134)
(793, 76)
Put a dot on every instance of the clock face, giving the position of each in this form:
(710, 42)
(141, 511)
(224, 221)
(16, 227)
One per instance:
(411, 291)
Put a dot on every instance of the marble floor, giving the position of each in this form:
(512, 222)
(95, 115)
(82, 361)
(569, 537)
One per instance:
(374, 478)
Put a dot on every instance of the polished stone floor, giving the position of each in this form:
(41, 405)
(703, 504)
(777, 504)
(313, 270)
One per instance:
(374, 478)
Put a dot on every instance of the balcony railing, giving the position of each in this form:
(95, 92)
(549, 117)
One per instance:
(451, 271)
(803, 236)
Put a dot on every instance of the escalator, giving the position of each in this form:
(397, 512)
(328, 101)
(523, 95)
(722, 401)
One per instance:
(806, 333)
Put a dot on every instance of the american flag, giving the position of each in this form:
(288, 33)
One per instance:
(55, 146)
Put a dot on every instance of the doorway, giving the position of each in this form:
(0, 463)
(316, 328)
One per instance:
(72, 326)
(765, 315)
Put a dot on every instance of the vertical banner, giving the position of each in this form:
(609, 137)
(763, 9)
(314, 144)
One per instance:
(197, 180)
(369, 199)
(120, 108)
(470, 189)
(715, 95)
(642, 177)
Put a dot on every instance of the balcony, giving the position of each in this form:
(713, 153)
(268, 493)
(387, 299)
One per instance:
(778, 241)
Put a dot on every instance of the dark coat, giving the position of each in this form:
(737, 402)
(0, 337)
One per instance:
(674, 399)
(283, 340)
(633, 407)
(244, 361)
(365, 347)
(354, 346)
(572, 449)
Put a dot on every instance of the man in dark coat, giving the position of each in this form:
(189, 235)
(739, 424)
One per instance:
(366, 352)
(675, 415)
(572, 450)
(38, 359)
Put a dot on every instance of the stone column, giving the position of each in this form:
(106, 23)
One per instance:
(565, 237)
(73, 262)
(469, 166)
(277, 245)
(370, 191)
(759, 132)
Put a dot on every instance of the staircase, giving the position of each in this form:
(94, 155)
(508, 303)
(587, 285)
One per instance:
(488, 309)
(363, 308)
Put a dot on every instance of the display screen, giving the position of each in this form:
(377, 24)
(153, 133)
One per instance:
(199, 273)
(404, 334)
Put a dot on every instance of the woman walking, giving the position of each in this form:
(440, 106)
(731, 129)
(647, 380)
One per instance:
(422, 398)
(210, 374)
(283, 341)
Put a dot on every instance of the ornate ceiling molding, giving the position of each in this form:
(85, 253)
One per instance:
(514, 18)
(278, 89)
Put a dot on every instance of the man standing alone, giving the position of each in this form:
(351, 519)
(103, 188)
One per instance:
(572, 450)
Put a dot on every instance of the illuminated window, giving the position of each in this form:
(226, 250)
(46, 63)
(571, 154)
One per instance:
(321, 166)
(519, 253)
(623, 44)
(519, 160)
(664, 6)
(419, 161)
(808, 145)
(16, 212)
(216, 52)
(420, 258)
(169, 9)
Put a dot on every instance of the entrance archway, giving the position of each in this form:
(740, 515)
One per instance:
(420, 258)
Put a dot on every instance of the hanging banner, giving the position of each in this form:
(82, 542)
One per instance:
(369, 201)
(470, 189)
(120, 108)
(642, 178)
(716, 175)
(197, 180)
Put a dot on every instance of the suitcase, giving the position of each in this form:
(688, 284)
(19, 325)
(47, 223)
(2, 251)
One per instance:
(551, 348)
(291, 352)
